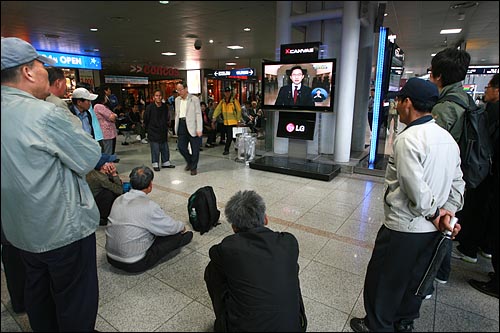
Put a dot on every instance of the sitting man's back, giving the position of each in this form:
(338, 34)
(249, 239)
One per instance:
(139, 233)
(252, 277)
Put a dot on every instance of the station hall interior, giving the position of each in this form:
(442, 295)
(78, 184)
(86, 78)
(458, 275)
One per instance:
(335, 214)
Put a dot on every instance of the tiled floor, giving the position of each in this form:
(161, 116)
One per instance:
(335, 223)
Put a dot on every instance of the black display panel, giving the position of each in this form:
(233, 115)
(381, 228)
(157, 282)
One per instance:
(296, 125)
(317, 84)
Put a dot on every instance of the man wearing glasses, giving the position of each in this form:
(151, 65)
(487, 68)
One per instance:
(296, 93)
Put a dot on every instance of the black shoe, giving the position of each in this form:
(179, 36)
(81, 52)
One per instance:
(156, 169)
(404, 326)
(170, 166)
(186, 238)
(487, 288)
(358, 325)
(18, 309)
(194, 172)
(187, 168)
(225, 152)
(125, 143)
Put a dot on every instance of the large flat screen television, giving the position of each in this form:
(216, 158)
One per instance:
(315, 91)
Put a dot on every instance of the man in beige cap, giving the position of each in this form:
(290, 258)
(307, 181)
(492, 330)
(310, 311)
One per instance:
(48, 211)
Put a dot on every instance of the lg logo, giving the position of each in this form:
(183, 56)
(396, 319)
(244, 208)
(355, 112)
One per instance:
(292, 127)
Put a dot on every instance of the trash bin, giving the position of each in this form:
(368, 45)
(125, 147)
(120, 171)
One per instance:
(245, 142)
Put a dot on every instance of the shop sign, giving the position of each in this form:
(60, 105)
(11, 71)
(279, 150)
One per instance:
(154, 70)
(482, 70)
(67, 60)
(125, 79)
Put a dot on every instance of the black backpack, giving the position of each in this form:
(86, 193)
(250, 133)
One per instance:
(202, 209)
(476, 149)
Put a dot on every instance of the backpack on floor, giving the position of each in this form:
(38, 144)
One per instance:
(202, 209)
(476, 148)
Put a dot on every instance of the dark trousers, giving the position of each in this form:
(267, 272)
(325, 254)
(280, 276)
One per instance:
(15, 275)
(474, 220)
(156, 149)
(398, 263)
(161, 247)
(62, 291)
(104, 201)
(229, 136)
(221, 130)
(183, 139)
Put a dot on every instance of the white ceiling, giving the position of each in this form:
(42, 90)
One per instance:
(127, 30)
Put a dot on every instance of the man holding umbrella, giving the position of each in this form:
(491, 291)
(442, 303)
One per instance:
(424, 189)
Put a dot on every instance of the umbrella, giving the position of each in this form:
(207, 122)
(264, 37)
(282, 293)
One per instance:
(443, 247)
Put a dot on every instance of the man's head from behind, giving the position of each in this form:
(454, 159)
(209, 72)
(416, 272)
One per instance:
(449, 66)
(246, 210)
(141, 178)
(423, 95)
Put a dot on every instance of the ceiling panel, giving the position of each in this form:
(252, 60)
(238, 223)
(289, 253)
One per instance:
(127, 30)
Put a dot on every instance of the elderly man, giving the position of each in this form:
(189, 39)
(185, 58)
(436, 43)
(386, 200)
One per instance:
(253, 275)
(48, 211)
(424, 189)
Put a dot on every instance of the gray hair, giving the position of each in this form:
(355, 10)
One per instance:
(246, 210)
(140, 177)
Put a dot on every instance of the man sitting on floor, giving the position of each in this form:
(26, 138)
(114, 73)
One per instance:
(139, 233)
(105, 185)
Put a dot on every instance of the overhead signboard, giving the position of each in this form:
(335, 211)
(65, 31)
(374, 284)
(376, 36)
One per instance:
(240, 72)
(67, 60)
(482, 70)
(125, 79)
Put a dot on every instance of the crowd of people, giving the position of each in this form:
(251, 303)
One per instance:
(48, 236)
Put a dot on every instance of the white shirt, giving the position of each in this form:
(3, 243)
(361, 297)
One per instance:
(134, 222)
(183, 106)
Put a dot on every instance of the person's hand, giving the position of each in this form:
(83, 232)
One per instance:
(199, 133)
(442, 222)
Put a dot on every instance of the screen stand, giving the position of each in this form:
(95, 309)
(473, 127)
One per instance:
(297, 149)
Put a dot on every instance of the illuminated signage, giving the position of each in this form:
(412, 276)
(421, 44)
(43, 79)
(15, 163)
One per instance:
(125, 79)
(236, 73)
(300, 51)
(73, 60)
(482, 70)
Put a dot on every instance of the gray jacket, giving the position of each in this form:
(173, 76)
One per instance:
(46, 202)
(194, 119)
(423, 174)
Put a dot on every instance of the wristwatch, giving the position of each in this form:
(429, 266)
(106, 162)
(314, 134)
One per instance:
(433, 217)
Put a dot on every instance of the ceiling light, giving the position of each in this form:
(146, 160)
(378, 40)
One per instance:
(163, 2)
(235, 47)
(157, 41)
(247, 29)
(211, 41)
(230, 63)
(462, 5)
(450, 31)
(385, 14)
(93, 29)
(409, 72)
(433, 54)
(236, 57)
(168, 53)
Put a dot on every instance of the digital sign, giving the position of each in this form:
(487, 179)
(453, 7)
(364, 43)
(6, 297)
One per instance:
(67, 60)
(296, 125)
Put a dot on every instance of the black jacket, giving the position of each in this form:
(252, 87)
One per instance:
(156, 121)
(285, 96)
(253, 282)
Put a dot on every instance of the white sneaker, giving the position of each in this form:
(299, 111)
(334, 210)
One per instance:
(428, 296)
(144, 140)
(440, 281)
(138, 138)
(485, 254)
(455, 253)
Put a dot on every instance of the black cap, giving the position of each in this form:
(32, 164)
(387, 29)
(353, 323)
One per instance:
(420, 90)
(227, 89)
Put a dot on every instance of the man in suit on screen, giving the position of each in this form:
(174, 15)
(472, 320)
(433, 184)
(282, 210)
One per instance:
(295, 93)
